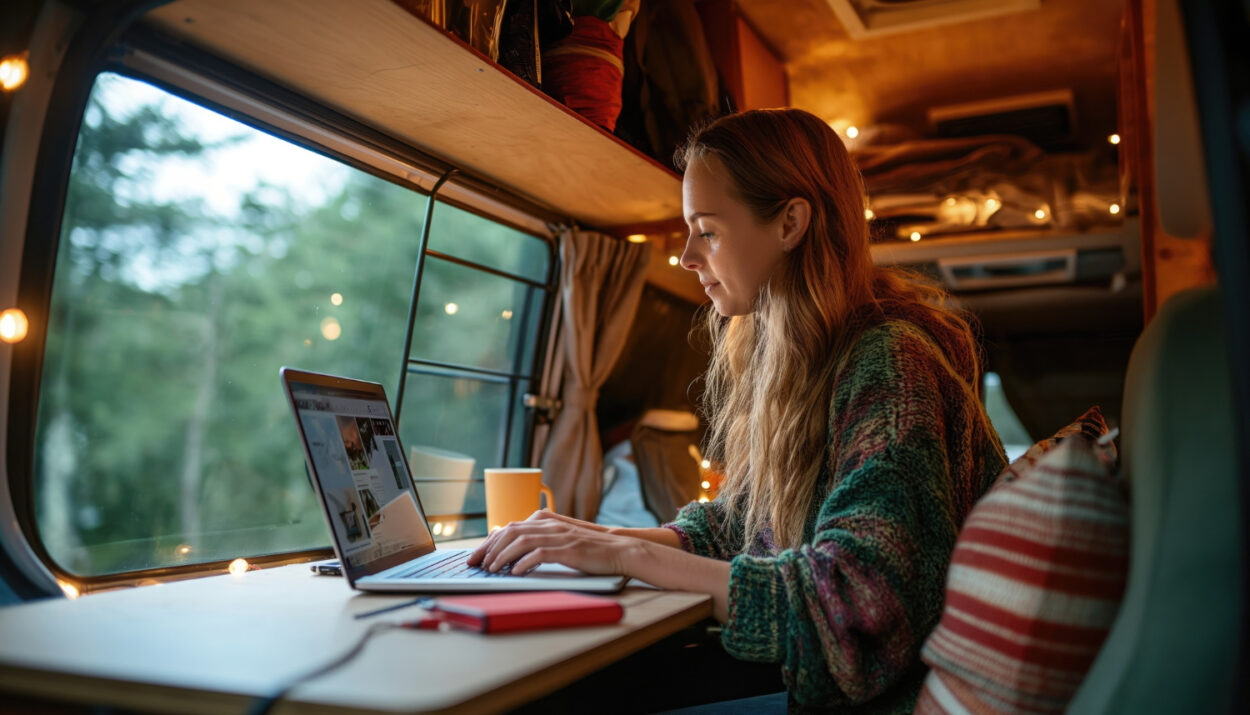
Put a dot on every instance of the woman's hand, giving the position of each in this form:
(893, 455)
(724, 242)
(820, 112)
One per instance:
(547, 537)
(652, 555)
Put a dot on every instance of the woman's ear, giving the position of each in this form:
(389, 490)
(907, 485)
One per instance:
(795, 218)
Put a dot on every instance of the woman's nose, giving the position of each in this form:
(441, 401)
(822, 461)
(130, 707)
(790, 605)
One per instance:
(690, 258)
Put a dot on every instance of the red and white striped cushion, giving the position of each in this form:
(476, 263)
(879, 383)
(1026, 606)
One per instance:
(1034, 584)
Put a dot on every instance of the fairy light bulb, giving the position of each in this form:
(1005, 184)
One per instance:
(13, 325)
(14, 69)
(70, 590)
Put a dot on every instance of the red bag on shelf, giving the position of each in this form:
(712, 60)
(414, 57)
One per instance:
(584, 71)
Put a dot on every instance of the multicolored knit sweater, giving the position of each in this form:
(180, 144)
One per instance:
(907, 456)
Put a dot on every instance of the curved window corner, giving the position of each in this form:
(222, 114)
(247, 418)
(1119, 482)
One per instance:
(199, 254)
(1016, 440)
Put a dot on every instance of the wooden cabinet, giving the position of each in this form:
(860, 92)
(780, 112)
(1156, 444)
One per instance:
(752, 73)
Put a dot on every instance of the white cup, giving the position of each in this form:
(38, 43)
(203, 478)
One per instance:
(434, 463)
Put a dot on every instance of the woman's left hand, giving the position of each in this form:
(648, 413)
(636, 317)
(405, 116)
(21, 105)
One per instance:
(543, 539)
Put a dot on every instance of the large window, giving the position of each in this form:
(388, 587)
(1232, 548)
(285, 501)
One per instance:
(197, 256)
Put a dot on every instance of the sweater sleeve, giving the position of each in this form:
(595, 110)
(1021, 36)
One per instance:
(845, 614)
(703, 530)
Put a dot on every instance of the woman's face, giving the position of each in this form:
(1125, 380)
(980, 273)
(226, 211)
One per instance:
(731, 250)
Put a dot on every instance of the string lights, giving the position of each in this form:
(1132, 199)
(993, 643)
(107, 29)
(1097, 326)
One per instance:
(13, 325)
(14, 70)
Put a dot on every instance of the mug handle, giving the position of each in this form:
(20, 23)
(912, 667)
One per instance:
(546, 491)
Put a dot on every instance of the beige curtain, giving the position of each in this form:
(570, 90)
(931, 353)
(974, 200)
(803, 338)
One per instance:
(600, 286)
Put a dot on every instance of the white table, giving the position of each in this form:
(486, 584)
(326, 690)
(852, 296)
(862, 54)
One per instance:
(211, 645)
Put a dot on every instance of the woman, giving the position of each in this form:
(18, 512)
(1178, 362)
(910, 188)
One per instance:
(843, 402)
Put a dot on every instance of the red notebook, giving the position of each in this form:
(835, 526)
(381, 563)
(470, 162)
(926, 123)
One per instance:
(500, 612)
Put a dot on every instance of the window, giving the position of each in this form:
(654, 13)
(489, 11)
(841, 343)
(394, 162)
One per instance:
(482, 287)
(197, 256)
(1016, 440)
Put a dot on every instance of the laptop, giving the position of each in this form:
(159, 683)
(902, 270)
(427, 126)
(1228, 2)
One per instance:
(360, 473)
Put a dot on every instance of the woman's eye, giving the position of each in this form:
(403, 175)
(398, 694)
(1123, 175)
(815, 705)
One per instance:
(707, 236)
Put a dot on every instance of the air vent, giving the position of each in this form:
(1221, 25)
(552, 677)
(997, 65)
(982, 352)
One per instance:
(869, 18)
(1045, 118)
(1008, 271)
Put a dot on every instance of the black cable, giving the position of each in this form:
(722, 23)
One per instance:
(263, 706)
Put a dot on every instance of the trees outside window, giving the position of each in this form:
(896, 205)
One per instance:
(197, 256)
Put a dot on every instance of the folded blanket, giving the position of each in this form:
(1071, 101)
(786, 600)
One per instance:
(918, 163)
(584, 71)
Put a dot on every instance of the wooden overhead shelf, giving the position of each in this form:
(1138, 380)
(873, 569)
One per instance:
(375, 62)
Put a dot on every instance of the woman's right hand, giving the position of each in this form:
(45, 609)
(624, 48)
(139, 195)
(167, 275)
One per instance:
(550, 538)
(542, 515)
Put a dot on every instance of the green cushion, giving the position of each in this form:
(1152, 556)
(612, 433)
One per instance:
(1173, 647)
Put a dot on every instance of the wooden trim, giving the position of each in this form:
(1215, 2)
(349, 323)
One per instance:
(654, 228)
(1135, 142)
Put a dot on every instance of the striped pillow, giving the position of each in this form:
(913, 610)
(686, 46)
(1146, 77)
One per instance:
(1034, 584)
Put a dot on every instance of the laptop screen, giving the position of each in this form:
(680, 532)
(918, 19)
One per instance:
(358, 464)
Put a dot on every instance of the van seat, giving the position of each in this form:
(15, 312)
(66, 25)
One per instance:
(1173, 646)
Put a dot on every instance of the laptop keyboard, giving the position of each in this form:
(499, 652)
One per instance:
(451, 565)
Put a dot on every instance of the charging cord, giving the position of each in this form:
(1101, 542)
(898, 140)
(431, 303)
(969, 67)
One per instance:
(264, 705)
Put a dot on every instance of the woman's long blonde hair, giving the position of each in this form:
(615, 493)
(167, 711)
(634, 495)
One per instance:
(769, 385)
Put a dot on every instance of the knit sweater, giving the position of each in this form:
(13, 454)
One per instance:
(908, 453)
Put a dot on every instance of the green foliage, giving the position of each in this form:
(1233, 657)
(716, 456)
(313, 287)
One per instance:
(163, 436)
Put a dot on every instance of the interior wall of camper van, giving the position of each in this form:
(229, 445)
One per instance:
(474, 203)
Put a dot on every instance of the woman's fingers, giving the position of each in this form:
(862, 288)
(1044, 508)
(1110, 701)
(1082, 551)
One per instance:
(536, 558)
(479, 553)
(497, 541)
(519, 547)
(492, 560)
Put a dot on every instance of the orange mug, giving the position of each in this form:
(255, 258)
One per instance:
(512, 494)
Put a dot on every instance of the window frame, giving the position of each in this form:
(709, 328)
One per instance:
(512, 378)
(208, 81)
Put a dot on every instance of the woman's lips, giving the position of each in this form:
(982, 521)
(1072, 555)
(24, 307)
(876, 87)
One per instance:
(707, 287)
